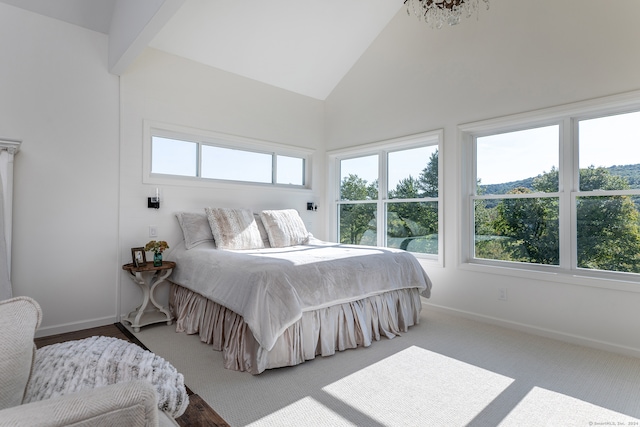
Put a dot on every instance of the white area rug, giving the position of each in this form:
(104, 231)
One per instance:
(446, 371)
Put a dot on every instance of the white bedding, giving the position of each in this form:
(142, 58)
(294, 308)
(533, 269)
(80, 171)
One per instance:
(271, 288)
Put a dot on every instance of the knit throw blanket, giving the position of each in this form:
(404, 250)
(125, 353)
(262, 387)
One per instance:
(72, 366)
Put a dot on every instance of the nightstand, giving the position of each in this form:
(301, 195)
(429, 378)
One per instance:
(148, 278)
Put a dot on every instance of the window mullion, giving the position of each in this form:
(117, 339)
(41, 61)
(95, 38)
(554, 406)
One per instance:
(274, 168)
(382, 197)
(199, 160)
(571, 183)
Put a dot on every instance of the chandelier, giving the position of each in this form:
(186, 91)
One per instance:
(438, 12)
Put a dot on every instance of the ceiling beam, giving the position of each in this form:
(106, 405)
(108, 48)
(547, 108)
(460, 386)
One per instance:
(133, 25)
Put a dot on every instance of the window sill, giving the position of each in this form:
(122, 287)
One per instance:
(600, 280)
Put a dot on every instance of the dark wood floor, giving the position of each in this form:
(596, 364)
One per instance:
(198, 413)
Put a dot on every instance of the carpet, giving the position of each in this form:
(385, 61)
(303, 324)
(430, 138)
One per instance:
(446, 371)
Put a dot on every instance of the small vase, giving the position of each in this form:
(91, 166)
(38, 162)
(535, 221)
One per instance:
(157, 259)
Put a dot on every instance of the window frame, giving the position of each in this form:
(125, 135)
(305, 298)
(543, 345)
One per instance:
(382, 148)
(568, 118)
(217, 139)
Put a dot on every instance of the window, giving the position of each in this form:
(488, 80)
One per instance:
(556, 191)
(174, 157)
(608, 201)
(516, 196)
(179, 153)
(387, 194)
(236, 165)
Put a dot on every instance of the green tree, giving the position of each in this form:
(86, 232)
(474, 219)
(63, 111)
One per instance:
(428, 179)
(532, 227)
(487, 244)
(608, 234)
(406, 220)
(353, 187)
(357, 218)
(402, 216)
(415, 221)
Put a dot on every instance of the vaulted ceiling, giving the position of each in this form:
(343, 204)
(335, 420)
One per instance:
(302, 46)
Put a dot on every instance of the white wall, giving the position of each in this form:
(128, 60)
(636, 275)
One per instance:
(168, 89)
(518, 56)
(80, 203)
(58, 98)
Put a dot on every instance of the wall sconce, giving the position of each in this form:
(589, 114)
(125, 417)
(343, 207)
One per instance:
(312, 206)
(154, 202)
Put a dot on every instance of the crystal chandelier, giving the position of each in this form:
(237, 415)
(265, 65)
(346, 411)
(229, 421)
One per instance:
(438, 12)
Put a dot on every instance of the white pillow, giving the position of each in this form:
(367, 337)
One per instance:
(195, 228)
(284, 227)
(234, 228)
(263, 232)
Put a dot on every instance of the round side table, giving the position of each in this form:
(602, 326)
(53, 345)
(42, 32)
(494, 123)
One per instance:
(148, 278)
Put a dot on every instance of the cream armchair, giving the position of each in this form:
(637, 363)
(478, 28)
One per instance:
(131, 403)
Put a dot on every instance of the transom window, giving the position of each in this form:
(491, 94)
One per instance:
(212, 156)
(387, 194)
(562, 195)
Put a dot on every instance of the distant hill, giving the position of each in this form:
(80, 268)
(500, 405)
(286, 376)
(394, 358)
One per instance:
(507, 186)
(630, 172)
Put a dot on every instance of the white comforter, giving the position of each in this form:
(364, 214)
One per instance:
(270, 288)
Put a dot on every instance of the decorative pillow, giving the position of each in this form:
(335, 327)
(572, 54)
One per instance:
(195, 228)
(285, 228)
(19, 319)
(263, 231)
(234, 228)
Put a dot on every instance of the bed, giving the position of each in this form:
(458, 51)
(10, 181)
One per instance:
(266, 293)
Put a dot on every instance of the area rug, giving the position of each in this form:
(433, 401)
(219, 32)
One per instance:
(445, 371)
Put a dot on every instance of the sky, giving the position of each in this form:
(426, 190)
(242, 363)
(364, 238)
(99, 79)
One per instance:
(401, 165)
(607, 141)
(177, 157)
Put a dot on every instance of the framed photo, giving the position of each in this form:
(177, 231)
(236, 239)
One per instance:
(139, 257)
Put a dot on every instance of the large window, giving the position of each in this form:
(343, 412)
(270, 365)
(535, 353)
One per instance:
(197, 155)
(387, 194)
(557, 192)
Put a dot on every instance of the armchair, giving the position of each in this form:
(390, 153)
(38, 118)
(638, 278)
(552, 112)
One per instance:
(129, 403)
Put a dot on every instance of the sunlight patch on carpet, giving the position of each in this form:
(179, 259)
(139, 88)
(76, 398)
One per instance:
(305, 412)
(415, 385)
(545, 407)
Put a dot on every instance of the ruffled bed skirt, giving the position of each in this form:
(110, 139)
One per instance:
(318, 332)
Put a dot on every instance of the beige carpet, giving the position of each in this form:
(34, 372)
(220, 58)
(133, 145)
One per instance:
(446, 371)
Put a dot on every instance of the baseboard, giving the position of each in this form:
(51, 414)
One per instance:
(74, 326)
(547, 333)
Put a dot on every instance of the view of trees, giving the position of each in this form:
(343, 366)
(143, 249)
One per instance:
(520, 229)
(527, 229)
(411, 225)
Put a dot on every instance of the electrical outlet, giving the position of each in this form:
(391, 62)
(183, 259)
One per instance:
(502, 294)
(153, 231)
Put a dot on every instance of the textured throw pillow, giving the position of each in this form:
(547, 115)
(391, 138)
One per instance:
(263, 231)
(285, 228)
(234, 228)
(195, 228)
(19, 319)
